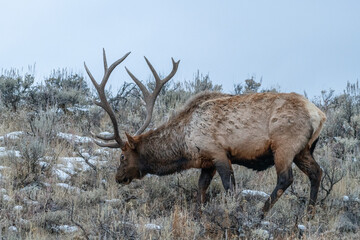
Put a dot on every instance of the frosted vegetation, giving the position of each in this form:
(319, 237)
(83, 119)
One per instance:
(55, 183)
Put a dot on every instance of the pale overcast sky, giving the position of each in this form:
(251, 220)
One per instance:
(298, 45)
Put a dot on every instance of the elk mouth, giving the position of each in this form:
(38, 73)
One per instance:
(126, 181)
(123, 180)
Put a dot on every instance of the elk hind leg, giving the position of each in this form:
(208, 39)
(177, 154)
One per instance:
(206, 176)
(284, 180)
(305, 161)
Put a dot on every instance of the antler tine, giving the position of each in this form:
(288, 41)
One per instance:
(91, 76)
(105, 62)
(161, 82)
(143, 89)
(100, 88)
(109, 70)
(173, 71)
(156, 76)
(150, 98)
(109, 145)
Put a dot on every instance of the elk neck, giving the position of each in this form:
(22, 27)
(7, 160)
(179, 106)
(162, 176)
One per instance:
(162, 151)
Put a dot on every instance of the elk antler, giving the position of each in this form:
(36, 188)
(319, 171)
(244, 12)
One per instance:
(100, 88)
(150, 98)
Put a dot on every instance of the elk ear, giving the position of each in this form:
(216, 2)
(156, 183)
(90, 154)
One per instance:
(131, 141)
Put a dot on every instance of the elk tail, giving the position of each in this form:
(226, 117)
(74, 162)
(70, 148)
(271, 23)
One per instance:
(317, 119)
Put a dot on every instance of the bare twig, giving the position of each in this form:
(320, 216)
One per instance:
(331, 179)
(86, 235)
(86, 159)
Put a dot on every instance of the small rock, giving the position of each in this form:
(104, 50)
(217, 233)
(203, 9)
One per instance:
(68, 229)
(301, 227)
(18, 208)
(346, 198)
(152, 226)
(12, 229)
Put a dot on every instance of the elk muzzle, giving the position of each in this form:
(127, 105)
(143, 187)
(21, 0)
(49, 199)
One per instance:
(122, 179)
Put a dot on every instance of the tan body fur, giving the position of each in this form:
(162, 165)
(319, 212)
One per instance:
(248, 126)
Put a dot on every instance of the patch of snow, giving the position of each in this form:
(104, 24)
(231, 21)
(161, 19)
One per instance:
(301, 227)
(101, 151)
(67, 186)
(31, 202)
(64, 185)
(10, 153)
(152, 226)
(72, 138)
(147, 226)
(43, 164)
(254, 193)
(3, 167)
(2, 190)
(346, 198)
(105, 134)
(265, 223)
(6, 198)
(86, 155)
(12, 135)
(68, 229)
(46, 158)
(337, 138)
(18, 208)
(72, 159)
(23, 221)
(61, 174)
(12, 229)
(69, 163)
(78, 109)
(73, 164)
(261, 234)
(115, 200)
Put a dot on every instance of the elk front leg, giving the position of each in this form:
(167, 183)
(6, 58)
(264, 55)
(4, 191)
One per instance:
(226, 173)
(206, 176)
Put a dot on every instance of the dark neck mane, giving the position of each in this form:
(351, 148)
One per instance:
(162, 151)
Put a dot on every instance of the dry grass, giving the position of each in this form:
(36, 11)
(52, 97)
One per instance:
(34, 206)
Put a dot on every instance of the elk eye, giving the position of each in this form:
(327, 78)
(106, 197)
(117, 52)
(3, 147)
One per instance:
(122, 157)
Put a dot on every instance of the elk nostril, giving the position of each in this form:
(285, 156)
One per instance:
(118, 180)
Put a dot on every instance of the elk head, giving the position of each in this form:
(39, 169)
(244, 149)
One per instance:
(130, 161)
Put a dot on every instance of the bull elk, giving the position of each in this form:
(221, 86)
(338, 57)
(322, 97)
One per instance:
(214, 130)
